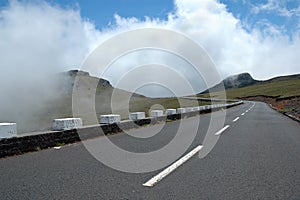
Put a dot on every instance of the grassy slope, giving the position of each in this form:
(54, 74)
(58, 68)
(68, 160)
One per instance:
(285, 88)
(61, 105)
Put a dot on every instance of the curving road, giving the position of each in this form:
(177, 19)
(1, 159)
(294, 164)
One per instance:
(257, 156)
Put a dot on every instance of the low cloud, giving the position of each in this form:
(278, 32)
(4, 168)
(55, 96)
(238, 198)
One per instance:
(265, 51)
(41, 39)
(37, 41)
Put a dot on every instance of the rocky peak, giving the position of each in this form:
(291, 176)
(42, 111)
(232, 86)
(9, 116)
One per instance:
(238, 81)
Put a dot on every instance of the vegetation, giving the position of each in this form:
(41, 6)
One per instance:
(279, 89)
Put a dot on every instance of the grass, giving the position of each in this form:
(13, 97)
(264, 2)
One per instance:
(59, 144)
(38, 149)
(94, 100)
(61, 107)
(281, 89)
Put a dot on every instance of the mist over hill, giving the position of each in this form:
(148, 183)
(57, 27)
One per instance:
(33, 106)
(235, 81)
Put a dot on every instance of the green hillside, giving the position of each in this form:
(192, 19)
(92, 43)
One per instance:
(36, 113)
(281, 89)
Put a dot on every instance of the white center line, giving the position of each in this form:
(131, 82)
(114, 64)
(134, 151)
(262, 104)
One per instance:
(236, 119)
(171, 168)
(243, 114)
(222, 130)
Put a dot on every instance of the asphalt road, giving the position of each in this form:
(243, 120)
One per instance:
(256, 157)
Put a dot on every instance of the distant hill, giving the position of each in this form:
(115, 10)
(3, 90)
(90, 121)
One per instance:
(283, 78)
(235, 81)
(283, 92)
(35, 106)
(243, 85)
(239, 81)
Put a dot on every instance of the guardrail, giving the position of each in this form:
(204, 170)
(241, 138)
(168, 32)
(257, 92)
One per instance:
(37, 141)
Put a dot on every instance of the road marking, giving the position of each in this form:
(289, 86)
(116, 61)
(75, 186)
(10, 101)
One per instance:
(222, 130)
(167, 171)
(243, 114)
(236, 119)
(247, 111)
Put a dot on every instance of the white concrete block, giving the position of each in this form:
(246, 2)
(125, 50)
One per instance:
(8, 130)
(170, 111)
(137, 115)
(156, 113)
(201, 107)
(207, 107)
(197, 108)
(109, 119)
(189, 109)
(181, 110)
(66, 124)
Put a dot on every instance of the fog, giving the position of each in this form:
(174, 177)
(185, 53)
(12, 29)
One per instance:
(39, 40)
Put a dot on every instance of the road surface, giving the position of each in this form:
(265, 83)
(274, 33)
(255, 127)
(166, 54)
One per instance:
(256, 157)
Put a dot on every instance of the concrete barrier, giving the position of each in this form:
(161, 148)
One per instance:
(189, 109)
(110, 119)
(197, 108)
(66, 124)
(137, 115)
(8, 130)
(201, 108)
(156, 113)
(170, 111)
(207, 107)
(181, 110)
(32, 142)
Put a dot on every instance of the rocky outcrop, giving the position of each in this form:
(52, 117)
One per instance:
(235, 81)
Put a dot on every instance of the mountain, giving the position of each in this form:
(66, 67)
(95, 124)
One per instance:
(284, 78)
(235, 81)
(245, 80)
(33, 107)
(282, 92)
(239, 81)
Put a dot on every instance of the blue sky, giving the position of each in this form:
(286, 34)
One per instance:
(277, 12)
(252, 13)
(101, 12)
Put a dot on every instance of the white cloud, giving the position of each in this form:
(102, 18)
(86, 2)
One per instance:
(43, 38)
(278, 7)
(40, 37)
(37, 41)
(234, 49)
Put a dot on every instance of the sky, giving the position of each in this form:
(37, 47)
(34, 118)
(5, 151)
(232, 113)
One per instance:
(259, 37)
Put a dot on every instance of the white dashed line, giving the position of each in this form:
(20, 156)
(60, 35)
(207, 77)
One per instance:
(236, 119)
(156, 179)
(171, 168)
(222, 130)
